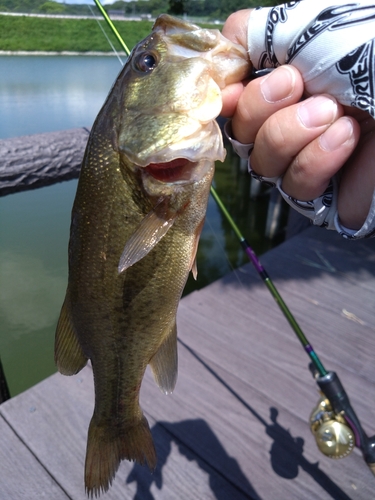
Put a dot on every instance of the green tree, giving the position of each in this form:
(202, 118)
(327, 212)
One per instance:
(176, 7)
(50, 7)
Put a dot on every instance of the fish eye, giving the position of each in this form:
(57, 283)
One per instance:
(145, 62)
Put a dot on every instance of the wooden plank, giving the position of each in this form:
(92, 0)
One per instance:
(345, 340)
(249, 345)
(329, 298)
(323, 320)
(21, 475)
(197, 469)
(221, 320)
(54, 426)
(55, 414)
(269, 457)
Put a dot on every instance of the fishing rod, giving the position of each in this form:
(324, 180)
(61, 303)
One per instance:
(112, 26)
(318, 365)
(334, 423)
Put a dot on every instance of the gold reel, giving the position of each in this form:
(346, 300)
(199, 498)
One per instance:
(334, 437)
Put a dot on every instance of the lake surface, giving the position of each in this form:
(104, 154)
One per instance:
(45, 94)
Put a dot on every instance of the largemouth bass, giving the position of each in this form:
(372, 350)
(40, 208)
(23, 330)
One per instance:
(137, 217)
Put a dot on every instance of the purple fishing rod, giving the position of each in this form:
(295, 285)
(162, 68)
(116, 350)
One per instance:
(318, 365)
(330, 428)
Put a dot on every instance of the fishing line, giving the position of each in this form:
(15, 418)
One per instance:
(112, 27)
(105, 34)
(333, 422)
(219, 244)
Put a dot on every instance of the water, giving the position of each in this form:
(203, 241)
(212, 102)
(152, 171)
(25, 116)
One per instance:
(33, 271)
(40, 94)
(44, 94)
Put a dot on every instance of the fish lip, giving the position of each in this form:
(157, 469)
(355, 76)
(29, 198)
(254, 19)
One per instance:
(179, 170)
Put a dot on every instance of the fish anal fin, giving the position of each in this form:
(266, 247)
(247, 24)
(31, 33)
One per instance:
(147, 235)
(164, 362)
(193, 265)
(69, 356)
(108, 445)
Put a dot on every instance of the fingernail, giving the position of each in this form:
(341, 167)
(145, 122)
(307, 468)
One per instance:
(317, 111)
(337, 134)
(278, 85)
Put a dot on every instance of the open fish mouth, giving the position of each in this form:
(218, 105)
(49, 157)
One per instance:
(177, 170)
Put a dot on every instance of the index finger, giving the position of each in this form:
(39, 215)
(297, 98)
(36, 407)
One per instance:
(235, 29)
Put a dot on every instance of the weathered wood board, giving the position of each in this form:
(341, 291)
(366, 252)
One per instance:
(237, 425)
(21, 474)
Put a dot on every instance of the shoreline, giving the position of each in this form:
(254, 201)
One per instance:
(59, 53)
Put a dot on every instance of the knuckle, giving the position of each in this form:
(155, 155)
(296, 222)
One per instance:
(299, 167)
(275, 134)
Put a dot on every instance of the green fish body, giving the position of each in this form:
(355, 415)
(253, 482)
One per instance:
(136, 221)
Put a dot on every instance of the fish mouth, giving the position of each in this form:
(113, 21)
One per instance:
(177, 170)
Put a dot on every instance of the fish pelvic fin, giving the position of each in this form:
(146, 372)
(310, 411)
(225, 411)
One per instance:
(164, 362)
(69, 356)
(105, 450)
(147, 235)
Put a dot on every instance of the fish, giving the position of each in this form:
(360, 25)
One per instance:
(137, 217)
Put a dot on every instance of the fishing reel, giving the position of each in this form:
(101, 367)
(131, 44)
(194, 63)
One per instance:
(334, 438)
(334, 423)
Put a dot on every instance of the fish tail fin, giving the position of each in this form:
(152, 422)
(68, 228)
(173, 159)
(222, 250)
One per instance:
(105, 450)
(69, 356)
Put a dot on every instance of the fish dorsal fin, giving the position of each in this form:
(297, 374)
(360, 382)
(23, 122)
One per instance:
(148, 234)
(69, 356)
(164, 362)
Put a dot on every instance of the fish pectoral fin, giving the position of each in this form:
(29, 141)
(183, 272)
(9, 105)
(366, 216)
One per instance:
(164, 363)
(148, 234)
(69, 356)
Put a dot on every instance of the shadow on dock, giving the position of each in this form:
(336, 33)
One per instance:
(286, 454)
(204, 433)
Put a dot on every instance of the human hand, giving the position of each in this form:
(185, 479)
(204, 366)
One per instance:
(307, 142)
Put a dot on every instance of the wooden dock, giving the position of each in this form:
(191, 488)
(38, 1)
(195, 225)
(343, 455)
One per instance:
(237, 425)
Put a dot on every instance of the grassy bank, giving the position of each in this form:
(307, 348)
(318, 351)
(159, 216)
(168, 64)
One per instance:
(56, 35)
(82, 35)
